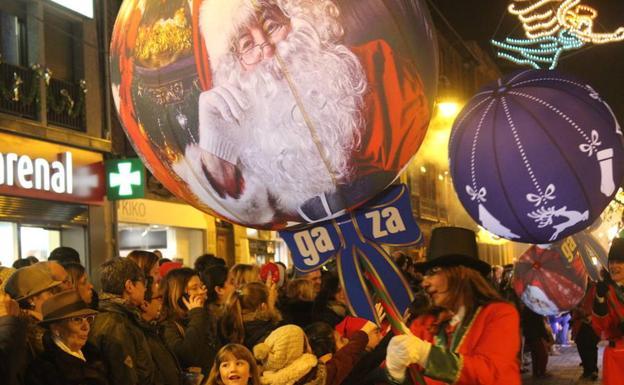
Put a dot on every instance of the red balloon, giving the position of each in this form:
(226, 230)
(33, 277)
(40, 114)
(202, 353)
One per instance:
(549, 282)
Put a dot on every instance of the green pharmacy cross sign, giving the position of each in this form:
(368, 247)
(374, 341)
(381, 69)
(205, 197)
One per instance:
(125, 179)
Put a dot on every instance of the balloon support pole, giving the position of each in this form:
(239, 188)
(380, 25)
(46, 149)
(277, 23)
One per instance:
(392, 313)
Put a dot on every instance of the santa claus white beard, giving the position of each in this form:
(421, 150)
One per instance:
(277, 144)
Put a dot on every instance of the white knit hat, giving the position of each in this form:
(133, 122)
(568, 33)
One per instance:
(283, 355)
(219, 22)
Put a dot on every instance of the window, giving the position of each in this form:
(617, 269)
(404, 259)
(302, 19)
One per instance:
(38, 241)
(13, 46)
(8, 240)
(63, 42)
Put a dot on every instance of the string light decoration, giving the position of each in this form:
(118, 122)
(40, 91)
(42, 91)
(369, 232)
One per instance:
(579, 19)
(539, 18)
(541, 52)
(552, 27)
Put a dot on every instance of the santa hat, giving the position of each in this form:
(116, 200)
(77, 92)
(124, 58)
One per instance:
(220, 21)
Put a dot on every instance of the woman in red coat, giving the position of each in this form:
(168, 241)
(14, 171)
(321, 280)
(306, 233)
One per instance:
(471, 336)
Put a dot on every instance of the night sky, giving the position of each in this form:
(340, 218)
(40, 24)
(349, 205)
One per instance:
(601, 66)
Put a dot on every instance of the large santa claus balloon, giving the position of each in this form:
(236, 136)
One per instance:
(274, 112)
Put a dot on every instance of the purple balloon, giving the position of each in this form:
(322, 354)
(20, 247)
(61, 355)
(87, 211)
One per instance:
(536, 156)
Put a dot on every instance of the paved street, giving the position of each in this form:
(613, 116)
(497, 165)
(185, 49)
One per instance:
(564, 368)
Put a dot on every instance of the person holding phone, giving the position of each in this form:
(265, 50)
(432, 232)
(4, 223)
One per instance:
(186, 329)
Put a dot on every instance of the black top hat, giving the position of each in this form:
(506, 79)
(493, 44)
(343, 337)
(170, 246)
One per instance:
(453, 246)
(616, 252)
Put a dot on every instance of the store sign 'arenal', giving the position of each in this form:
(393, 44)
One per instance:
(38, 169)
(38, 174)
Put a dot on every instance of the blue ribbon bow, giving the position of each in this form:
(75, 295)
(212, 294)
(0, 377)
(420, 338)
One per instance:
(355, 240)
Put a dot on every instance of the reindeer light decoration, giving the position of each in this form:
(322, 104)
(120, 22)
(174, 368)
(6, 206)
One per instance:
(552, 27)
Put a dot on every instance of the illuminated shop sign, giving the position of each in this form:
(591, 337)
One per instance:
(83, 7)
(38, 174)
(125, 179)
(43, 170)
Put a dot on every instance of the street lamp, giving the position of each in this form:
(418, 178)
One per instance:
(448, 109)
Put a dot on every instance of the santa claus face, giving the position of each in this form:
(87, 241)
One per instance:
(257, 41)
(302, 99)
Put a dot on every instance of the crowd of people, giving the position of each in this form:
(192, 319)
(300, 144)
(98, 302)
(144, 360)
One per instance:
(157, 322)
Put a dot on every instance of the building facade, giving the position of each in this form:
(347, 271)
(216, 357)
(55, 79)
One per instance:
(54, 131)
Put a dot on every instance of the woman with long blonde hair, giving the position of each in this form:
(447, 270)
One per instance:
(243, 273)
(249, 315)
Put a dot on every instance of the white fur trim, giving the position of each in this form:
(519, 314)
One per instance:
(291, 373)
(219, 22)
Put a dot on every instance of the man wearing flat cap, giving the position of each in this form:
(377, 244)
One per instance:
(608, 316)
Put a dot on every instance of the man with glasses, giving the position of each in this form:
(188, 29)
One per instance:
(116, 330)
(295, 125)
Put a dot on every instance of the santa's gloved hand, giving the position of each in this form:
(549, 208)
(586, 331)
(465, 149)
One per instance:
(403, 351)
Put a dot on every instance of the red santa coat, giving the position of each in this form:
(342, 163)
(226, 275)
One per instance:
(609, 327)
(483, 350)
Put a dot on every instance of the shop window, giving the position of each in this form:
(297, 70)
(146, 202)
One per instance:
(38, 241)
(8, 240)
(142, 238)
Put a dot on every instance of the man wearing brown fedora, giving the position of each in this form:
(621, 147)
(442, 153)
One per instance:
(608, 315)
(459, 340)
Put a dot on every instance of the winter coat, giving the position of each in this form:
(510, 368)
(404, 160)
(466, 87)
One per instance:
(167, 366)
(305, 370)
(117, 334)
(343, 361)
(331, 312)
(12, 349)
(257, 331)
(191, 341)
(482, 350)
(57, 367)
(533, 326)
(297, 312)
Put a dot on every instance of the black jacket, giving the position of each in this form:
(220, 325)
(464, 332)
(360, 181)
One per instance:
(297, 312)
(330, 312)
(167, 366)
(191, 340)
(257, 331)
(12, 349)
(117, 334)
(56, 367)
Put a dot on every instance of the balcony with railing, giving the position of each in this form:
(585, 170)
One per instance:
(65, 104)
(19, 89)
(20, 95)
